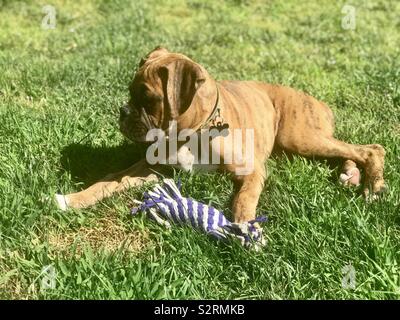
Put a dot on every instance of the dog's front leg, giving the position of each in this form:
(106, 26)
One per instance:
(135, 175)
(248, 190)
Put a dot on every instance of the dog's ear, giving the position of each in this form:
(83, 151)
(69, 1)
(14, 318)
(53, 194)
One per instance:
(155, 53)
(181, 79)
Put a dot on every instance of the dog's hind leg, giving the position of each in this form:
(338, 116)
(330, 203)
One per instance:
(350, 175)
(306, 127)
(370, 157)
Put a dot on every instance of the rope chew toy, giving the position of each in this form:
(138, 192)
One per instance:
(166, 204)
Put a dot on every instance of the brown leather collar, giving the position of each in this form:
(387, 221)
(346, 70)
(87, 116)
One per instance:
(215, 114)
(214, 120)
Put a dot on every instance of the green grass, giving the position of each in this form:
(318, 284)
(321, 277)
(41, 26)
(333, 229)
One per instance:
(59, 96)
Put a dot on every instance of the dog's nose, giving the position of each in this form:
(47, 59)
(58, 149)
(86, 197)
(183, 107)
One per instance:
(124, 111)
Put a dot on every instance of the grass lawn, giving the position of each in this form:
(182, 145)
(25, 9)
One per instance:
(60, 91)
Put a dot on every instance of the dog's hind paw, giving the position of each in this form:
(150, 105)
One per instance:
(350, 177)
(61, 202)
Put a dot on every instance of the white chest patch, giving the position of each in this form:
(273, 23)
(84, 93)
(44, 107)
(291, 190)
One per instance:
(187, 161)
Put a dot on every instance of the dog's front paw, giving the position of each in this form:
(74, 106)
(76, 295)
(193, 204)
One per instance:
(250, 234)
(61, 201)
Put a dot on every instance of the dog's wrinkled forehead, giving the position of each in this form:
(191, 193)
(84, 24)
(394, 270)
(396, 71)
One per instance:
(154, 54)
(146, 81)
(166, 80)
(161, 55)
(147, 77)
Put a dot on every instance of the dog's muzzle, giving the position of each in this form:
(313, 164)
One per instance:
(130, 124)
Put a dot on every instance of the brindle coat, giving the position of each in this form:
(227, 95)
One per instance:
(171, 86)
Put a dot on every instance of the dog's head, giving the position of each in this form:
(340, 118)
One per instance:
(167, 86)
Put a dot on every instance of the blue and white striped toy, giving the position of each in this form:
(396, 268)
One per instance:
(166, 203)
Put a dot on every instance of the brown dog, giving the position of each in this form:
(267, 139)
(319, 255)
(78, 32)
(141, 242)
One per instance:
(171, 86)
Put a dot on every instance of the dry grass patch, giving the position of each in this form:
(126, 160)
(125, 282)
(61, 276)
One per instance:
(108, 234)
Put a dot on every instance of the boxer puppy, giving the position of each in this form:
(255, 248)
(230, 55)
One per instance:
(170, 86)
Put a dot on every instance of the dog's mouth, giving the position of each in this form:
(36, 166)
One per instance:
(134, 131)
(133, 124)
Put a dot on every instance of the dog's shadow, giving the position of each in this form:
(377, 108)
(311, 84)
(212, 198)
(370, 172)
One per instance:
(88, 164)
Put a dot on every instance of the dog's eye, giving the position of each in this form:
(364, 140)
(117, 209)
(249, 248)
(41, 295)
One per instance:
(150, 101)
(152, 97)
(144, 97)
